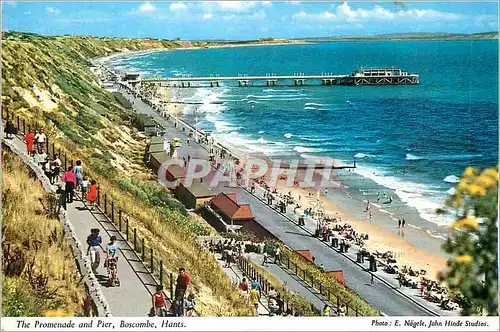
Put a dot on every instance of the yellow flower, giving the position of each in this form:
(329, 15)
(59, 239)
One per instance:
(470, 172)
(466, 222)
(465, 259)
(462, 185)
(456, 201)
(485, 181)
(475, 190)
(491, 172)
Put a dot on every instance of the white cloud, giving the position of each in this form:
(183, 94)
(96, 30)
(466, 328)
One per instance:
(177, 6)
(266, 3)
(207, 16)
(52, 10)
(147, 7)
(295, 3)
(345, 13)
(229, 6)
(27, 12)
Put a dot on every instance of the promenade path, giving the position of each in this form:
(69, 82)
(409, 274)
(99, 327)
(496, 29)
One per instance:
(133, 297)
(384, 294)
(236, 275)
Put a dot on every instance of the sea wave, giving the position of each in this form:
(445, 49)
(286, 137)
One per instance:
(410, 156)
(288, 135)
(301, 149)
(281, 90)
(310, 108)
(420, 196)
(315, 104)
(261, 132)
(314, 139)
(363, 155)
(451, 179)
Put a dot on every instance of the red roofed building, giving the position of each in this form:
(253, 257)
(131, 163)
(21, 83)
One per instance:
(337, 274)
(306, 254)
(229, 209)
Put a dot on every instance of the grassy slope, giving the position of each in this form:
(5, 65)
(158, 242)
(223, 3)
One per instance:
(45, 276)
(45, 80)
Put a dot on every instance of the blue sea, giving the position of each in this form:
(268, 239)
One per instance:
(411, 142)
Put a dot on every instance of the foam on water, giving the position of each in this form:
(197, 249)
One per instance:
(425, 199)
(288, 135)
(451, 179)
(410, 156)
(363, 155)
(301, 149)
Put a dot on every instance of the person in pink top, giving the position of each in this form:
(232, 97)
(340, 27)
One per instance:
(70, 179)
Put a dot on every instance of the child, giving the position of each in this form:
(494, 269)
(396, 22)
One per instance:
(92, 194)
(85, 184)
(189, 304)
(159, 303)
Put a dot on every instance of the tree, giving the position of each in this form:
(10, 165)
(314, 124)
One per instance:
(474, 270)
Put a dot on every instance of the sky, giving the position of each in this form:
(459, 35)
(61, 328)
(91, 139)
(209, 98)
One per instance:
(240, 20)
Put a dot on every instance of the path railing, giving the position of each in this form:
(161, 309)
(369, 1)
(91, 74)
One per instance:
(151, 262)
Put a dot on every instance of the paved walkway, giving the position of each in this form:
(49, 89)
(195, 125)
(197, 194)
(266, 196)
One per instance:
(236, 275)
(402, 302)
(133, 297)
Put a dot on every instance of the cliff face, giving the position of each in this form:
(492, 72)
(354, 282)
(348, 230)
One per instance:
(46, 82)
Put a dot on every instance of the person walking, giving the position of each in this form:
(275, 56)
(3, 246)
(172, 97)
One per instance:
(69, 179)
(62, 198)
(56, 170)
(40, 139)
(264, 262)
(277, 256)
(85, 187)
(399, 223)
(94, 241)
(92, 194)
(254, 299)
(10, 130)
(159, 303)
(403, 223)
(47, 169)
(189, 305)
(372, 280)
(181, 285)
(79, 174)
(29, 138)
(256, 285)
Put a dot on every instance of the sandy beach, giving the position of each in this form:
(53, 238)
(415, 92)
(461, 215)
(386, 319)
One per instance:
(380, 239)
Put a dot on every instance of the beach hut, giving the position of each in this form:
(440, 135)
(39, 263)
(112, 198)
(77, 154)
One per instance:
(228, 208)
(306, 254)
(337, 274)
(195, 195)
(156, 159)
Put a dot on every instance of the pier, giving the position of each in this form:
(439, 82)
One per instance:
(377, 76)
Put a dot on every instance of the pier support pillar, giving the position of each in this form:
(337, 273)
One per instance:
(211, 84)
(182, 84)
(217, 84)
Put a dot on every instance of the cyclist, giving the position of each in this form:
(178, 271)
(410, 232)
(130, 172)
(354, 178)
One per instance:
(94, 241)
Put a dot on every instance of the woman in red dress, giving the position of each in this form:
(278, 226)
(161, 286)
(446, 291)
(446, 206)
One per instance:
(92, 194)
(29, 137)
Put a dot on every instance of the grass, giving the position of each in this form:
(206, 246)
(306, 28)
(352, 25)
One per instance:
(299, 303)
(345, 295)
(90, 124)
(39, 272)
